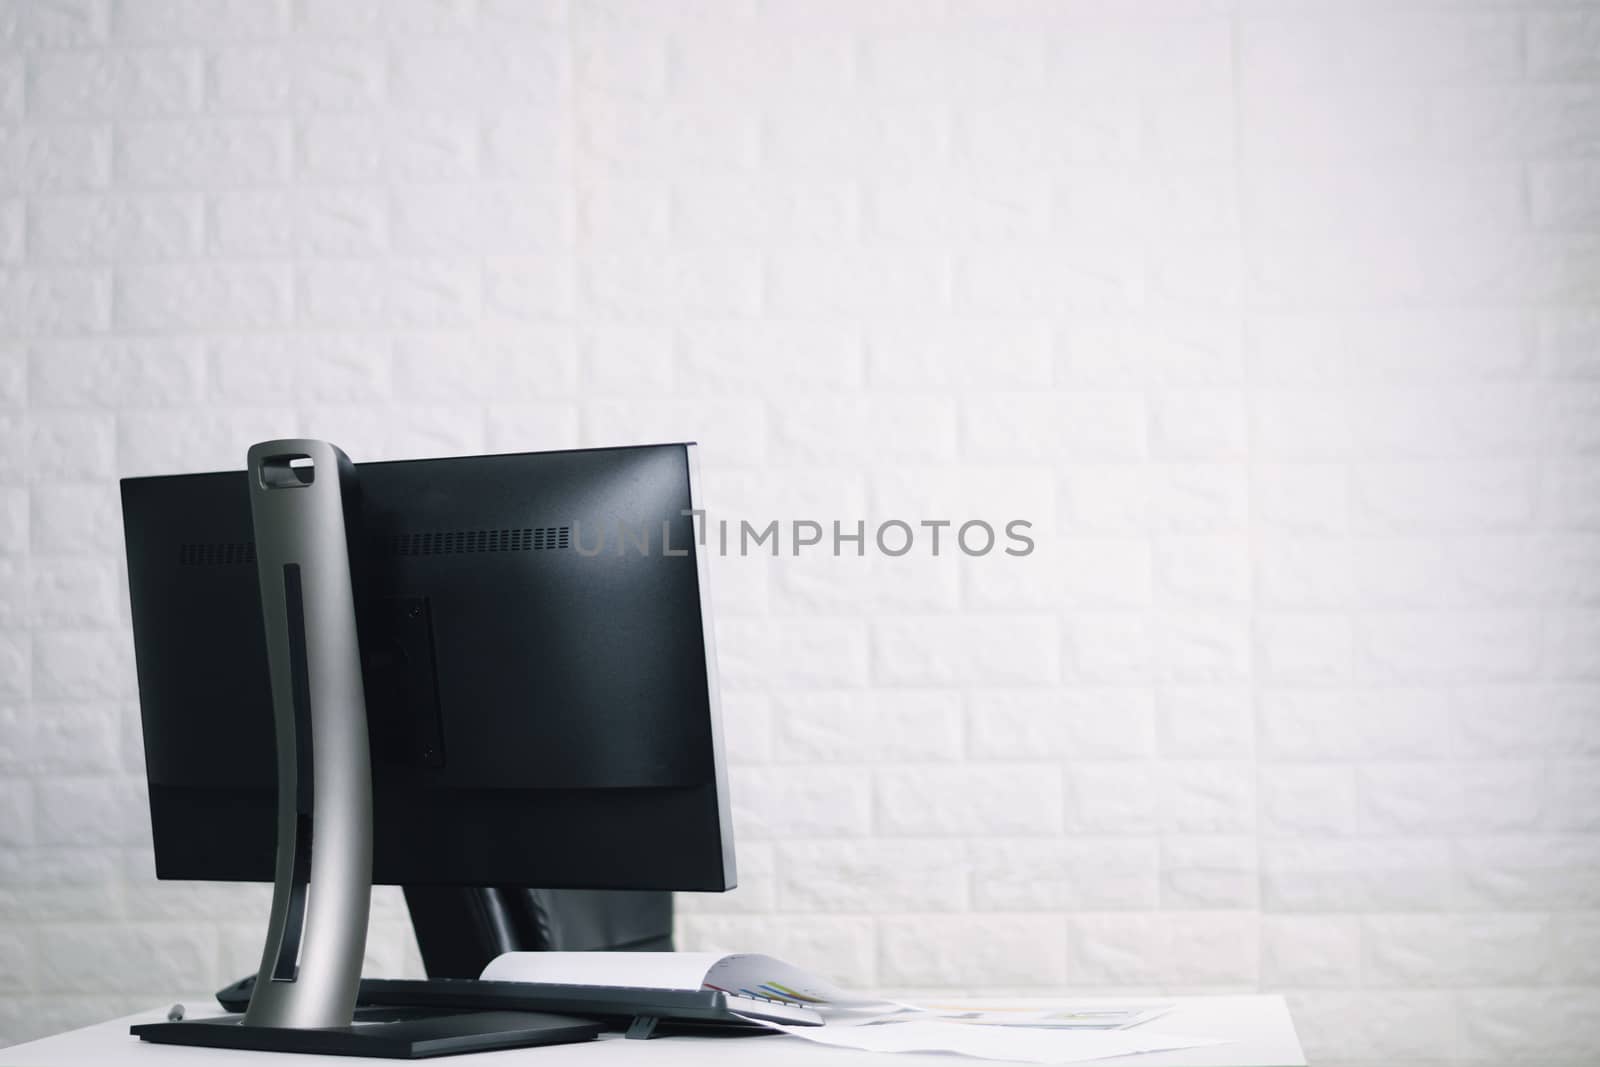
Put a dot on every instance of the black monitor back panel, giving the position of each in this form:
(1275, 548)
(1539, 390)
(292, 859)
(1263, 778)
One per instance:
(540, 715)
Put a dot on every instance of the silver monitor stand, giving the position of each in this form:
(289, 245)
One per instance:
(303, 500)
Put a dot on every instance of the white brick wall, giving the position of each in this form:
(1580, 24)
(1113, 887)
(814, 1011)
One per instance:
(1281, 322)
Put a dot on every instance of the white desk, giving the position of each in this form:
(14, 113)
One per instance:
(1258, 1031)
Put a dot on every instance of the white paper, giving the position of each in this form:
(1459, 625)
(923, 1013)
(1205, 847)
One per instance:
(1064, 1016)
(1025, 1044)
(640, 970)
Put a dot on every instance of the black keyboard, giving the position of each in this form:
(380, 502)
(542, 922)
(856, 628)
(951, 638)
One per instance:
(636, 1010)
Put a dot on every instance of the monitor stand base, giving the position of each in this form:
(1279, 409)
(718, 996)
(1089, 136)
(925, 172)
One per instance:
(390, 1034)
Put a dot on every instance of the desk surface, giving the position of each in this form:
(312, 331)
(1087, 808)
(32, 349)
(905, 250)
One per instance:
(1257, 1028)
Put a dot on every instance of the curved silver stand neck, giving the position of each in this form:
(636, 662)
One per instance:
(317, 935)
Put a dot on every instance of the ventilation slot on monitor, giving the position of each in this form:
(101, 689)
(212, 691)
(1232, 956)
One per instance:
(236, 554)
(451, 542)
(430, 543)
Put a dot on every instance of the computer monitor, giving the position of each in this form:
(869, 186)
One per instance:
(538, 660)
(422, 673)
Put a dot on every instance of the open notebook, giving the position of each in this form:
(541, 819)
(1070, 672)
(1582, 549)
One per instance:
(752, 985)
